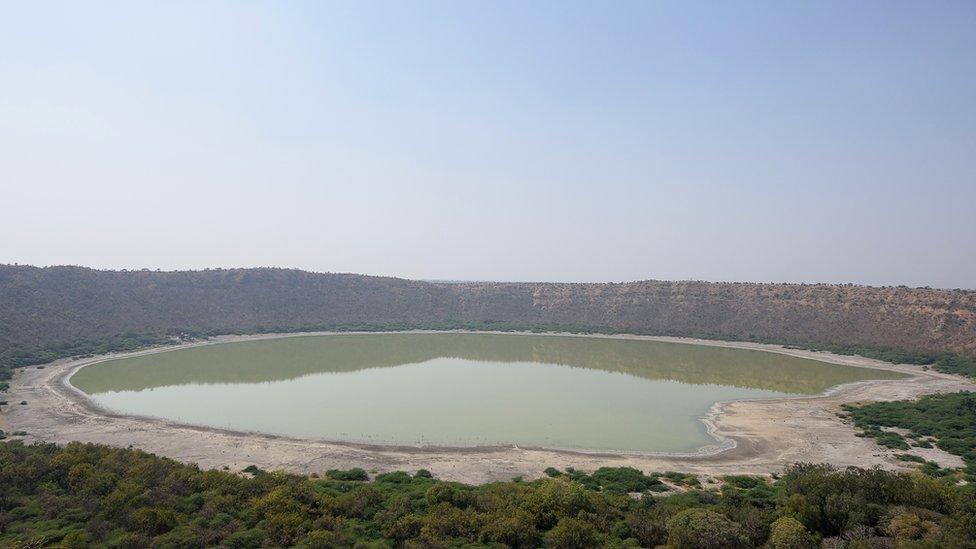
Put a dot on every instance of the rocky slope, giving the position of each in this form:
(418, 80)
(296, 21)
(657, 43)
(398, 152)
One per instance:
(47, 305)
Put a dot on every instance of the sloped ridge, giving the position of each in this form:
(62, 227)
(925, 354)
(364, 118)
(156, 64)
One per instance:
(45, 305)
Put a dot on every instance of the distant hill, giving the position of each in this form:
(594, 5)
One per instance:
(41, 306)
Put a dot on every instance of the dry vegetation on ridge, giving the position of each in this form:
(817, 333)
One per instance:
(48, 305)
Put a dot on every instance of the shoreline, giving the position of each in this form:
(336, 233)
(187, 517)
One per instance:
(755, 436)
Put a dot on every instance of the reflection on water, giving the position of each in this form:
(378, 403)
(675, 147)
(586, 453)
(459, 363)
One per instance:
(458, 389)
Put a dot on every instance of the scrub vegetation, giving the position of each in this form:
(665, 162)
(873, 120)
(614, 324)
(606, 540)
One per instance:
(947, 421)
(85, 495)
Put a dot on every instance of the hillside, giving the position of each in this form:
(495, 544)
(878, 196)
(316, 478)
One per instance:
(43, 306)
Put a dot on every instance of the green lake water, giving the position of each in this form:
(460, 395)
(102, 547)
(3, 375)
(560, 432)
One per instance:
(458, 389)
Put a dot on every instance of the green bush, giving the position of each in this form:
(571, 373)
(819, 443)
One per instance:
(704, 529)
(621, 480)
(789, 533)
(572, 533)
(354, 474)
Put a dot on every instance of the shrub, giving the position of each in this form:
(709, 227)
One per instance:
(745, 482)
(909, 527)
(514, 529)
(154, 520)
(621, 480)
(354, 474)
(404, 528)
(319, 539)
(572, 533)
(789, 533)
(245, 539)
(556, 498)
(648, 525)
(360, 502)
(682, 479)
(448, 492)
(76, 539)
(704, 529)
(395, 477)
(445, 520)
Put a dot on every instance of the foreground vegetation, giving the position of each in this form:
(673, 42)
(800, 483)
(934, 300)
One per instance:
(85, 495)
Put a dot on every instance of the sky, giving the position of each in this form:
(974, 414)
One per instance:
(530, 141)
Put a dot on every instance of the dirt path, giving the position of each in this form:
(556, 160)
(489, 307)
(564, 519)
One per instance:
(754, 437)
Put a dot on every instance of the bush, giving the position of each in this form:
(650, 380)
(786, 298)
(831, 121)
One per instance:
(682, 479)
(513, 529)
(789, 533)
(404, 528)
(395, 477)
(354, 474)
(319, 539)
(647, 525)
(704, 529)
(622, 480)
(154, 520)
(572, 533)
(245, 539)
(909, 527)
(448, 492)
(76, 539)
(360, 502)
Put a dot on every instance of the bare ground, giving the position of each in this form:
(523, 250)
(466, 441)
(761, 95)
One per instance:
(753, 437)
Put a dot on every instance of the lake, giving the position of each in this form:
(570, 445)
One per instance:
(458, 389)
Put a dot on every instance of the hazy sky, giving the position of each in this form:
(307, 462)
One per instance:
(764, 141)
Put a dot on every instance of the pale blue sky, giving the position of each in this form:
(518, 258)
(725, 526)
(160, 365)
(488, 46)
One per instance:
(763, 141)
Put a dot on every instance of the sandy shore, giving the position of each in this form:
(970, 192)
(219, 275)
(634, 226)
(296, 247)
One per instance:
(752, 437)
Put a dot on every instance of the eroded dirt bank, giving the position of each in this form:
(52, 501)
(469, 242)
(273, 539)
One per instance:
(767, 435)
